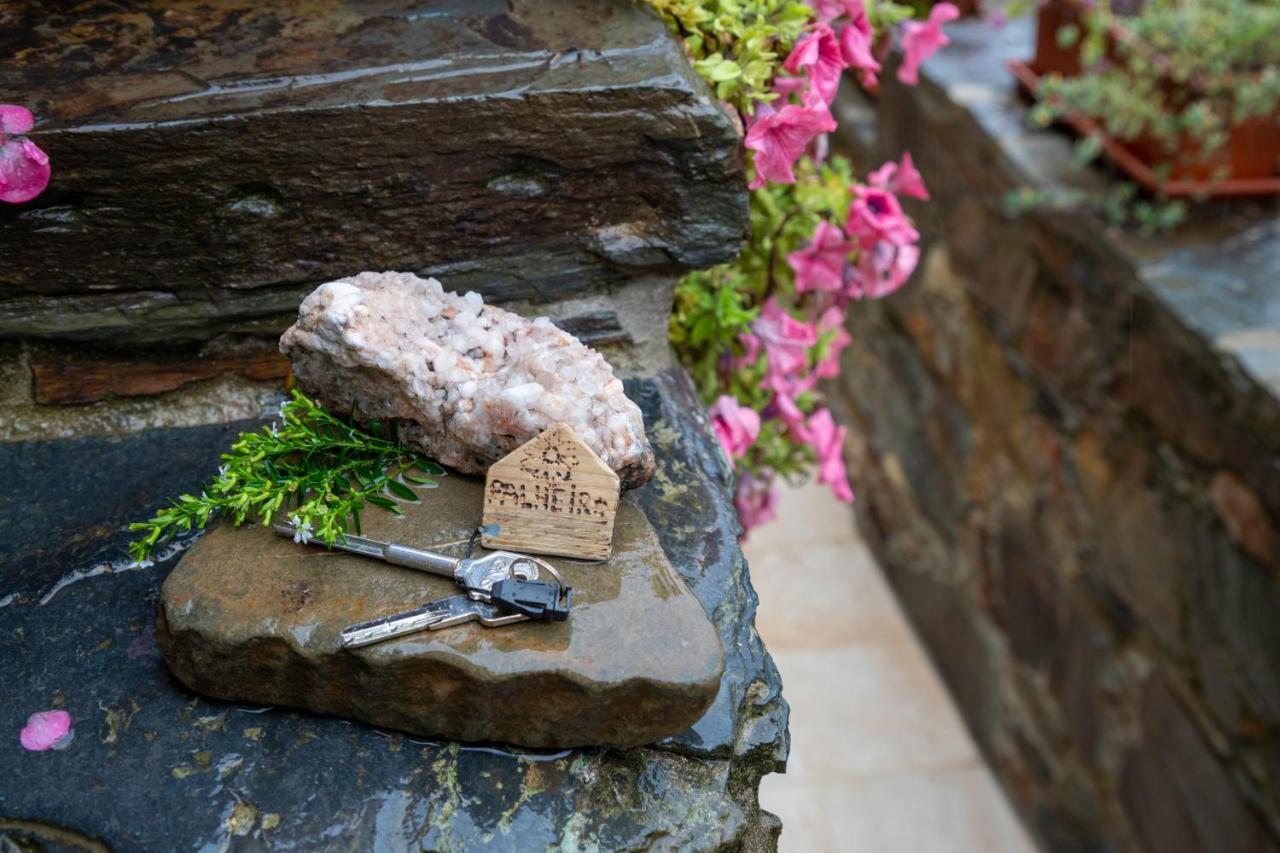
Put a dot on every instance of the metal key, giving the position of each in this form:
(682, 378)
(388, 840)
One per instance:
(475, 574)
(443, 613)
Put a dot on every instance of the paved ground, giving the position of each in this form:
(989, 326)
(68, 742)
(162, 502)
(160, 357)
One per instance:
(880, 760)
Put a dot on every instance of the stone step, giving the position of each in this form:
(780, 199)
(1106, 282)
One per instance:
(249, 616)
(211, 165)
(76, 632)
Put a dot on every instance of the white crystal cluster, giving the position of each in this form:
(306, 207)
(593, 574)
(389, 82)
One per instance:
(468, 382)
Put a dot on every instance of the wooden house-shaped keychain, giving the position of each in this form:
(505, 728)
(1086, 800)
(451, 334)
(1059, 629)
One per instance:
(551, 495)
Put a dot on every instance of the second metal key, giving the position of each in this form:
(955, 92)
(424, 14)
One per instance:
(475, 574)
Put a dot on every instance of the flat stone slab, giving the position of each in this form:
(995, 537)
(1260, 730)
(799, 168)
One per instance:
(530, 150)
(251, 616)
(78, 634)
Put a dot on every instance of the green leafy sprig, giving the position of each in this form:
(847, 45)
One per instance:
(326, 469)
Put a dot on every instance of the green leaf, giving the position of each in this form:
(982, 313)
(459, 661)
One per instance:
(402, 491)
(385, 503)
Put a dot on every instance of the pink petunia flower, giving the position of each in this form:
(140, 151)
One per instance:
(901, 179)
(784, 85)
(24, 168)
(820, 265)
(832, 319)
(756, 501)
(46, 730)
(828, 442)
(818, 55)
(827, 10)
(737, 427)
(857, 43)
(922, 39)
(881, 270)
(780, 137)
(751, 347)
(786, 340)
(783, 405)
(876, 215)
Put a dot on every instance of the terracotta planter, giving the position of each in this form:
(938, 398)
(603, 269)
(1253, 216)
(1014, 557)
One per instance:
(1252, 151)
(1250, 159)
(1051, 57)
(1252, 154)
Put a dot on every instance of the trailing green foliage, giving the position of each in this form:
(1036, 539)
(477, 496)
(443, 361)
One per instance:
(323, 468)
(737, 45)
(714, 307)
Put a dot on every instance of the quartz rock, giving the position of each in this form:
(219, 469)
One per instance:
(467, 382)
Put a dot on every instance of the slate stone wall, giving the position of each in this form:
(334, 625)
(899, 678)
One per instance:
(1069, 465)
(214, 165)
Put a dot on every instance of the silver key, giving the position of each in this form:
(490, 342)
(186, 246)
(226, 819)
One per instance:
(443, 613)
(475, 574)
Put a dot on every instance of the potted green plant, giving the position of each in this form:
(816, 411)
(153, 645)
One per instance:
(1184, 95)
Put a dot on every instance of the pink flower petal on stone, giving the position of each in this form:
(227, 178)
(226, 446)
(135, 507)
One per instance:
(15, 120)
(45, 730)
(24, 171)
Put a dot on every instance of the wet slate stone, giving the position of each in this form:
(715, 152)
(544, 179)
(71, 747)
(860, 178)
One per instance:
(252, 777)
(250, 616)
(212, 164)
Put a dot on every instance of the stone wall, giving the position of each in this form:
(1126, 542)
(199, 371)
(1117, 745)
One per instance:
(1068, 462)
(212, 165)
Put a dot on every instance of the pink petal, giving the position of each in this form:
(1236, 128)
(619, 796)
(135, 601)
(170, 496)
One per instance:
(876, 215)
(24, 171)
(44, 730)
(828, 442)
(883, 176)
(820, 265)
(855, 47)
(921, 40)
(819, 55)
(908, 181)
(736, 426)
(756, 501)
(15, 120)
(779, 139)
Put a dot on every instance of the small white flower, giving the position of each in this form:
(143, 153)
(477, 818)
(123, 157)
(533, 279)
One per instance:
(275, 430)
(141, 564)
(301, 531)
(222, 470)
